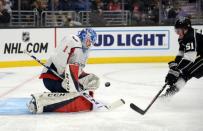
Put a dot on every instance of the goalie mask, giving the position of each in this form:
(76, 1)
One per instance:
(88, 37)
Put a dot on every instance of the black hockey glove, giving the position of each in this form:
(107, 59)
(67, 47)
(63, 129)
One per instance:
(172, 76)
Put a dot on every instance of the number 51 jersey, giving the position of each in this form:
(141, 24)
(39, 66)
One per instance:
(191, 42)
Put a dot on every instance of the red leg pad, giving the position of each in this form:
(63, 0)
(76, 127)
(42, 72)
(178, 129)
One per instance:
(77, 105)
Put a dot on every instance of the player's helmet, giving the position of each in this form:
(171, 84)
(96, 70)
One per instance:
(87, 33)
(183, 22)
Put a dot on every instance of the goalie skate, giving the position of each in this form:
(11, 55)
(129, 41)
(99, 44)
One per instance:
(32, 107)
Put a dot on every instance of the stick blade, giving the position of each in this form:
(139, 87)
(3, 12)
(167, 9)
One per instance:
(137, 109)
(116, 104)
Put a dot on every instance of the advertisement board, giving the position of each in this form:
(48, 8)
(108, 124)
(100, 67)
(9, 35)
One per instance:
(13, 42)
(114, 44)
(129, 41)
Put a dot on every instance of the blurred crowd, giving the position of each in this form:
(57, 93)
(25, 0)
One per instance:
(86, 5)
(142, 11)
(4, 13)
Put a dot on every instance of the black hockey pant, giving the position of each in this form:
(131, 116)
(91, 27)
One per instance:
(53, 85)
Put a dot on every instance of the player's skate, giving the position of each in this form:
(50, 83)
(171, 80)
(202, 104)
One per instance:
(32, 107)
(35, 105)
(172, 90)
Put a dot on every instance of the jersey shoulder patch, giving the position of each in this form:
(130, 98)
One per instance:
(75, 41)
(72, 41)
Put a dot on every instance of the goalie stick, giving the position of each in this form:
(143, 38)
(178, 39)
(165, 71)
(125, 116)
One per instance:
(97, 104)
(139, 110)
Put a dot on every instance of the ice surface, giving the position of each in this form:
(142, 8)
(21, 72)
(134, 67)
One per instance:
(137, 83)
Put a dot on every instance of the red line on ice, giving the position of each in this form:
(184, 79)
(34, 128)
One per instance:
(17, 87)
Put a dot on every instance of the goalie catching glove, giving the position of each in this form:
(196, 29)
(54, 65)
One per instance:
(72, 82)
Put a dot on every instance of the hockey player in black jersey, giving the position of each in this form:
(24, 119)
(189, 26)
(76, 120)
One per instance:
(189, 61)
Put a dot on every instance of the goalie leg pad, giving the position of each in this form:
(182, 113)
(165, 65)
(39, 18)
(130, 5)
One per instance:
(77, 104)
(59, 102)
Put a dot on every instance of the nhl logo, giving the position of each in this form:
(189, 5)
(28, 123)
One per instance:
(26, 36)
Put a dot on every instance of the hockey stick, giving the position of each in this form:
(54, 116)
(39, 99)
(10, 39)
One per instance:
(97, 104)
(139, 110)
(50, 69)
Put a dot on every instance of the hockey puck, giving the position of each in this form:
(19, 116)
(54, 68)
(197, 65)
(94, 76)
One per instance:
(107, 84)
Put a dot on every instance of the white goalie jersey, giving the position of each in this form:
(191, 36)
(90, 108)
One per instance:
(69, 51)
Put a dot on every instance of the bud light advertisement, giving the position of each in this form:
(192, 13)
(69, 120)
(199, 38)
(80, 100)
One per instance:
(132, 40)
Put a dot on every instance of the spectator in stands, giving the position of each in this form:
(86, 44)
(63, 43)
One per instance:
(105, 4)
(82, 5)
(38, 6)
(154, 14)
(128, 5)
(136, 15)
(15, 4)
(97, 13)
(165, 2)
(114, 5)
(201, 5)
(26, 4)
(8, 5)
(95, 16)
(181, 13)
(94, 4)
(172, 13)
(88, 5)
(56, 5)
(97, 5)
(4, 15)
(66, 5)
(69, 22)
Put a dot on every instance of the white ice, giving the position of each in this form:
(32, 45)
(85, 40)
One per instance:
(137, 83)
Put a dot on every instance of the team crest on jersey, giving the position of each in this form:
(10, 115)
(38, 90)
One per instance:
(26, 36)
